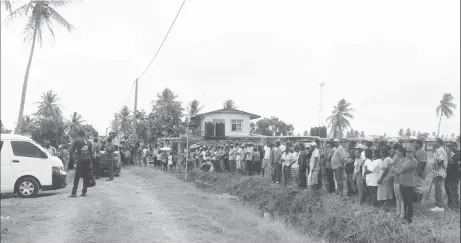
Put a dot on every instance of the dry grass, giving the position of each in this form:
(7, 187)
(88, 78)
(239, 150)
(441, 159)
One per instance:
(337, 219)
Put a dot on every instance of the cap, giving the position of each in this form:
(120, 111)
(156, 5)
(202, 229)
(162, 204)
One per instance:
(336, 140)
(393, 140)
(313, 144)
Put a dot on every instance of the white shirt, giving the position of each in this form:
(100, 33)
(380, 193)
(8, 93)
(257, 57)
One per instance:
(373, 166)
(315, 154)
(267, 152)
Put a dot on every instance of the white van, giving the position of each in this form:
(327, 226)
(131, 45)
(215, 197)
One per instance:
(26, 167)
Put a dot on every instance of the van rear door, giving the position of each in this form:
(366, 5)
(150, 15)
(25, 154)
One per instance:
(28, 159)
(8, 177)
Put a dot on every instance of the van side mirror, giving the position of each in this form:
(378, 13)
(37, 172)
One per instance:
(44, 156)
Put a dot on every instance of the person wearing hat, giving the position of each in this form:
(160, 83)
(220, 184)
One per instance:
(407, 184)
(358, 171)
(453, 174)
(337, 165)
(326, 170)
(312, 178)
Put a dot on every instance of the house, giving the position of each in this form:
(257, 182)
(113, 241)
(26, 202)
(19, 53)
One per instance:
(222, 123)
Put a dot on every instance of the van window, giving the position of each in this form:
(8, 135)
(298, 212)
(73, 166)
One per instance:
(26, 149)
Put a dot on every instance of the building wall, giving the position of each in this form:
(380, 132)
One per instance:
(228, 123)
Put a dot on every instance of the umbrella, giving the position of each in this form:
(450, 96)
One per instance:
(165, 149)
(194, 146)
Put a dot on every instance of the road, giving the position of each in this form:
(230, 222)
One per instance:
(142, 205)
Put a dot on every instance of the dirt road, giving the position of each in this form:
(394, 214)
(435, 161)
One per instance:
(142, 205)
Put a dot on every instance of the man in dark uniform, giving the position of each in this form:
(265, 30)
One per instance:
(453, 174)
(83, 151)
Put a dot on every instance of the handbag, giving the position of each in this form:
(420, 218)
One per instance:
(91, 179)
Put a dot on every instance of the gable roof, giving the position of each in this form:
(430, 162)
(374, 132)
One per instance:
(229, 111)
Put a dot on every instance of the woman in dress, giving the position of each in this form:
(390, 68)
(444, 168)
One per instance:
(396, 164)
(385, 188)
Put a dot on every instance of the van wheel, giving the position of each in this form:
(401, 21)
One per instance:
(27, 187)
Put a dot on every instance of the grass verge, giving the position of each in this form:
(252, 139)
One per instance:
(333, 218)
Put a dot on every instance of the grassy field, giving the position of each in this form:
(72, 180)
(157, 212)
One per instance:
(333, 218)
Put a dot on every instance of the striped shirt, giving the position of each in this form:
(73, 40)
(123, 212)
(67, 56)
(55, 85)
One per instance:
(440, 170)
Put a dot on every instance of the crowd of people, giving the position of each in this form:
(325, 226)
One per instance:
(385, 173)
(381, 174)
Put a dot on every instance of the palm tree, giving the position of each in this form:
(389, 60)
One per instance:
(445, 108)
(40, 15)
(229, 104)
(48, 107)
(338, 120)
(75, 122)
(125, 119)
(194, 108)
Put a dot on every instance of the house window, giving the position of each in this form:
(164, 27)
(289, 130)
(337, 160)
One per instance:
(237, 125)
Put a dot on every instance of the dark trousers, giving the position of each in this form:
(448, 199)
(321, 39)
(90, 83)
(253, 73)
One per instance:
(302, 178)
(96, 165)
(250, 167)
(451, 188)
(110, 168)
(278, 173)
(286, 174)
(81, 171)
(373, 191)
(407, 194)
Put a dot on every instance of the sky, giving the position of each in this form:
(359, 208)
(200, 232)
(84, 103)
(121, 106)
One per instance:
(392, 60)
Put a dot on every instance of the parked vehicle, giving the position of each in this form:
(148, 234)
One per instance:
(26, 167)
(104, 162)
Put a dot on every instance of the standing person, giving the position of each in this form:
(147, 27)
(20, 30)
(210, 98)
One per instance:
(145, 156)
(406, 174)
(96, 155)
(453, 174)
(337, 165)
(110, 150)
(314, 167)
(170, 160)
(372, 174)
(278, 162)
(385, 188)
(232, 158)
(265, 163)
(358, 171)
(256, 157)
(50, 148)
(439, 173)
(83, 151)
(65, 156)
(396, 164)
(421, 157)
(302, 165)
(249, 159)
(286, 160)
(240, 158)
(155, 154)
(351, 187)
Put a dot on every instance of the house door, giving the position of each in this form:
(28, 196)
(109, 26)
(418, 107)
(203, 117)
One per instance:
(219, 127)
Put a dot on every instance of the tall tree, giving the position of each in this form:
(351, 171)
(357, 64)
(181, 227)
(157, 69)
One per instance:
(305, 133)
(356, 134)
(125, 120)
(413, 133)
(165, 118)
(115, 124)
(339, 119)
(229, 104)
(194, 108)
(40, 15)
(453, 135)
(3, 129)
(445, 108)
(401, 132)
(273, 127)
(362, 134)
(48, 106)
(74, 123)
(408, 132)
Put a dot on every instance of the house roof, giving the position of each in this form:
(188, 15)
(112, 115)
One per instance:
(229, 111)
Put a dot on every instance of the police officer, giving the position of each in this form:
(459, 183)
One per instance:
(83, 153)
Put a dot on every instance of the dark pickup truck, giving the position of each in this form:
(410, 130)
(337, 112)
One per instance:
(104, 163)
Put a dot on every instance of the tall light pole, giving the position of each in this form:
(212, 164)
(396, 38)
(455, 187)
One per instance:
(187, 144)
(321, 104)
(135, 121)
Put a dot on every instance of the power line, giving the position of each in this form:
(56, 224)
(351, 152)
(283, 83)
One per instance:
(160, 47)
(129, 94)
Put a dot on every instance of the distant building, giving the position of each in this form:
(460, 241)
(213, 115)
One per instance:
(222, 123)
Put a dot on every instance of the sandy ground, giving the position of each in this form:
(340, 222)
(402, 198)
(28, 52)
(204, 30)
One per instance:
(142, 205)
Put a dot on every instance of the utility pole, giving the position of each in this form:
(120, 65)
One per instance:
(321, 104)
(135, 109)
